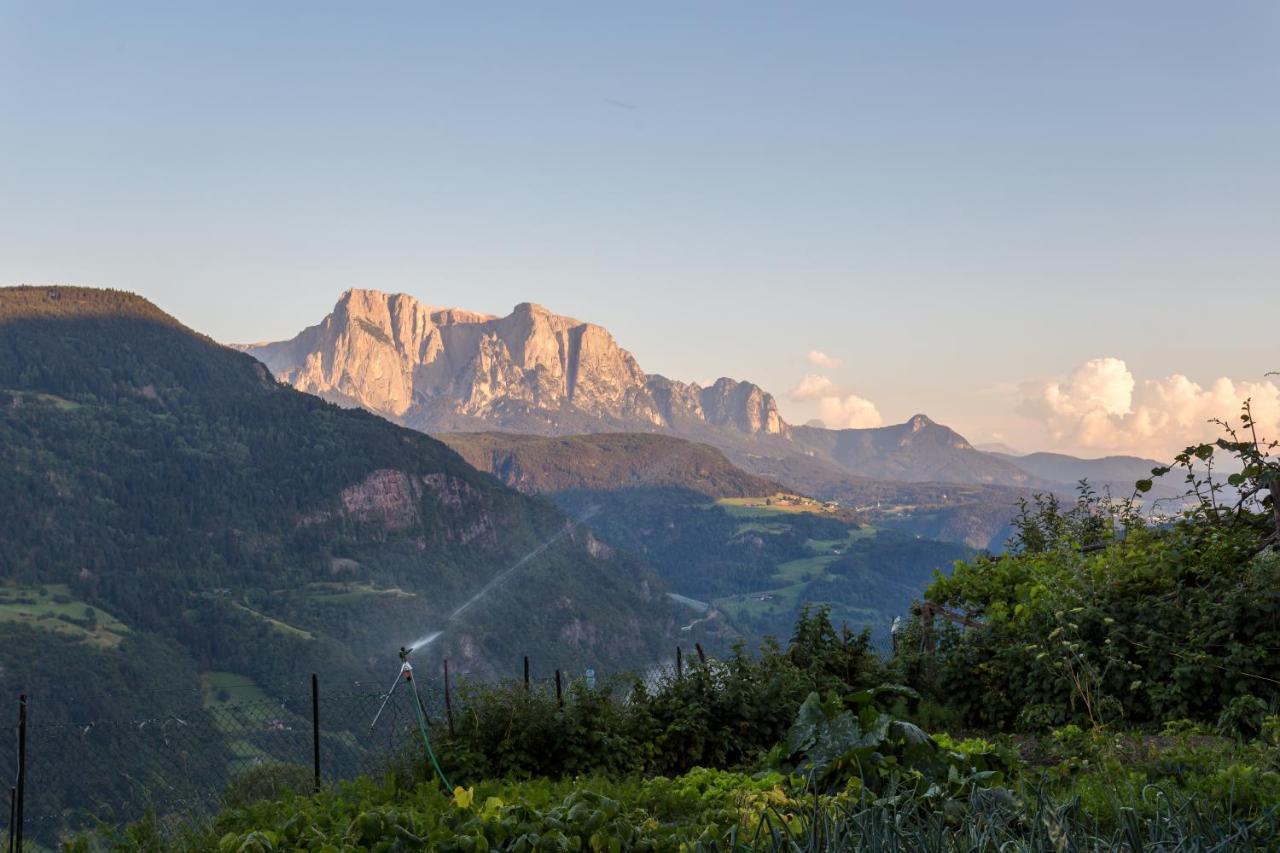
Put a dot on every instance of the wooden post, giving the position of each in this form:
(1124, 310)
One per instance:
(448, 700)
(679, 663)
(20, 792)
(702, 656)
(315, 728)
(526, 673)
(559, 690)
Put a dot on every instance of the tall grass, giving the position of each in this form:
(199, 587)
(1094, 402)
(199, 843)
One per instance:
(995, 821)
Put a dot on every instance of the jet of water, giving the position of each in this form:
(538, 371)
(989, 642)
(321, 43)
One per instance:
(424, 641)
(498, 579)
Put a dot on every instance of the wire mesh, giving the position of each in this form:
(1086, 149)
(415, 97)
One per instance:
(181, 766)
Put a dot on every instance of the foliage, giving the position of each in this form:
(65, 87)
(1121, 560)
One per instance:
(708, 809)
(851, 743)
(268, 782)
(1168, 622)
(721, 713)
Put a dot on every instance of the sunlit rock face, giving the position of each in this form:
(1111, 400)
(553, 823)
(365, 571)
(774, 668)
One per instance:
(531, 371)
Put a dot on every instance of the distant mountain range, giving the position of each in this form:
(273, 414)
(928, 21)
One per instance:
(447, 370)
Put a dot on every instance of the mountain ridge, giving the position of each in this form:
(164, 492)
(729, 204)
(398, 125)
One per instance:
(607, 461)
(444, 370)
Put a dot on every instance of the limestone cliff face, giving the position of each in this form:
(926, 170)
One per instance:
(531, 371)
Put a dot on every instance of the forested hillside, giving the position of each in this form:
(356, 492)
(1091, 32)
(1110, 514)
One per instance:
(163, 492)
(752, 552)
(606, 461)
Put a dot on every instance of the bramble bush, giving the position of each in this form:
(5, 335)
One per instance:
(1098, 617)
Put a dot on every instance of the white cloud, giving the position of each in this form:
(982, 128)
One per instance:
(813, 387)
(1101, 406)
(840, 409)
(849, 412)
(818, 358)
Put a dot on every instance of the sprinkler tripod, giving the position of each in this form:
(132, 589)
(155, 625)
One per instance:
(406, 672)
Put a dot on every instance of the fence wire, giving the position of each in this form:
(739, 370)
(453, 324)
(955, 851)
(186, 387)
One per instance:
(181, 766)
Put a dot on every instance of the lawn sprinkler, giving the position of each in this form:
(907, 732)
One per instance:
(406, 671)
(406, 675)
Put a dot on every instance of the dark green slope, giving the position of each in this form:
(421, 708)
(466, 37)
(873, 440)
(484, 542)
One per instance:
(672, 502)
(608, 461)
(169, 482)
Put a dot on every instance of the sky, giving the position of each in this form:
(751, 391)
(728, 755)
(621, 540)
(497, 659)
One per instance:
(1054, 225)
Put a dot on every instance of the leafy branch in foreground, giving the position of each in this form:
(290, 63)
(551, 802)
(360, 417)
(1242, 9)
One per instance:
(1255, 484)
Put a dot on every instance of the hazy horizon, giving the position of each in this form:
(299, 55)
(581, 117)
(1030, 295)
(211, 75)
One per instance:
(1051, 227)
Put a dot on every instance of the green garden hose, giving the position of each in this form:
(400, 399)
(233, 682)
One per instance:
(426, 741)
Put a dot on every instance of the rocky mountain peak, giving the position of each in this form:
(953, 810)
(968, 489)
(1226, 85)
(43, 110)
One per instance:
(537, 372)
(532, 370)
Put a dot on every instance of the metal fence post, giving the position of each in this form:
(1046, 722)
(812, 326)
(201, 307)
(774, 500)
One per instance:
(20, 792)
(315, 727)
(13, 812)
(448, 700)
(526, 673)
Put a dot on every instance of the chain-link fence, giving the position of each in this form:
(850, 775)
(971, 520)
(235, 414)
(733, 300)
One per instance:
(185, 763)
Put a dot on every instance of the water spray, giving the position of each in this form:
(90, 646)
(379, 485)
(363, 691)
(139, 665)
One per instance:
(426, 640)
(406, 669)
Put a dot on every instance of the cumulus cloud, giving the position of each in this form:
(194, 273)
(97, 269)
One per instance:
(840, 409)
(849, 412)
(1101, 406)
(813, 387)
(818, 358)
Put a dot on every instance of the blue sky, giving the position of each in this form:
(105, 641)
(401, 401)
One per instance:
(962, 203)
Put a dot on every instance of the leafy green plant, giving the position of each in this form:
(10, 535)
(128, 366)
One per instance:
(840, 742)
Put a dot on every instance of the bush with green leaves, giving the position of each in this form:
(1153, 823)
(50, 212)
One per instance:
(1168, 622)
(851, 743)
(721, 713)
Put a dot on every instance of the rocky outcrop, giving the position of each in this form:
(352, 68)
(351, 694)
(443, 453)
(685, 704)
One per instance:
(387, 497)
(532, 371)
(394, 500)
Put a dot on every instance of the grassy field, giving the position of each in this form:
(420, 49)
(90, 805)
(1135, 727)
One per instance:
(227, 694)
(793, 579)
(769, 528)
(771, 505)
(227, 688)
(35, 396)
(53, 608)
(828, 546)
(283, 627)
(340, 593)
